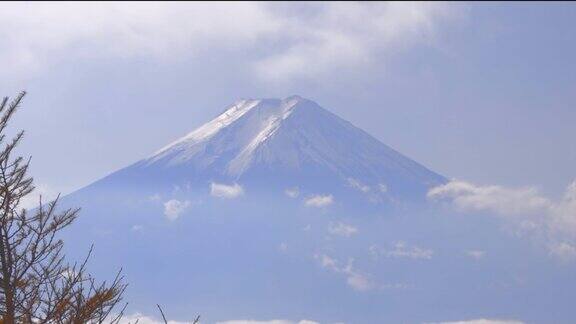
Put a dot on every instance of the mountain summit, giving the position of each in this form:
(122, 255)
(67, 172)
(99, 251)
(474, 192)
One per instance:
(269, 145)
(278, 208)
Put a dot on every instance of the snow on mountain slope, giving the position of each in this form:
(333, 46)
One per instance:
(292, 136)
(208, 130)
(279, 208)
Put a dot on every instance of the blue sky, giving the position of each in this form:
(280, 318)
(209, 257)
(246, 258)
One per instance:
(478, 92)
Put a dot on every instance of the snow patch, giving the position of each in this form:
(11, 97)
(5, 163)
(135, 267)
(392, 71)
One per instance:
(211, 128)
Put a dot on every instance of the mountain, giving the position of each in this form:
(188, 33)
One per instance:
(270, 145)
(278, 209)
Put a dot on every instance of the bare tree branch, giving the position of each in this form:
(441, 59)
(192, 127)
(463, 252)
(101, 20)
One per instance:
(161, 312)
(37, 285)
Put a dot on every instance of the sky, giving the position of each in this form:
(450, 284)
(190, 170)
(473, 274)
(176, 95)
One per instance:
(477, 92)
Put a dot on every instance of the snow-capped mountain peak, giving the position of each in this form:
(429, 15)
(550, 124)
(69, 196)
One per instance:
(275, 113)
(246, 124)
(292, 136)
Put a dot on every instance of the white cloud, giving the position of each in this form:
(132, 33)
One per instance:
(396, 286)
(226, 191)
(524, 208)
(354, 278)
(36, 35)
(342, 229)
(383, 188)
(356, 184)
(402, 250)
(137, 228)
(351, 35)
(562, 216)
(563, 250)
(327, 262)
(292, 192)
(267, 322)
(319, 201)
(181, 188)
(476, 254)
(143, 319)
(256, 322)
(358, 282)
(173, 208)
(155, 197)
(283, 247)
(328, 36)
(509, 201)
(483, 321)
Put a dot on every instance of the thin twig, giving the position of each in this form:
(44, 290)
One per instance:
(161, 312)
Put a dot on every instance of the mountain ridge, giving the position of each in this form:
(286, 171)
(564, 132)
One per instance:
(271, 145)
(292, 135)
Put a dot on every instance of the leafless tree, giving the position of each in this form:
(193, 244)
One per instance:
(37, 285)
